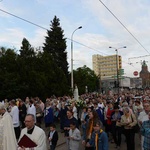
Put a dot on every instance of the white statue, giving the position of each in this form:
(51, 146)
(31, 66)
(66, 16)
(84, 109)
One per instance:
(76, 93)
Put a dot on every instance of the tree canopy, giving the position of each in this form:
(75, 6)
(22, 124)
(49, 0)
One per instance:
(43, 73)
(83, 77)
(55, 46)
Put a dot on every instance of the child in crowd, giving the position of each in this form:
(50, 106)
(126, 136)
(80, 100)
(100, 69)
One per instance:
(53, 137)
(74, 137)
(99, 138)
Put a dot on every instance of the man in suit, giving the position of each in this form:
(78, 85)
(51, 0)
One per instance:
(22, 113)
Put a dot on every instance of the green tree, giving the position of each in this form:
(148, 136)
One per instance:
(55, 45)
(9, 84)
(40, 75)
(53, 78)
(26, 50)
(26, 61)
(84, 76)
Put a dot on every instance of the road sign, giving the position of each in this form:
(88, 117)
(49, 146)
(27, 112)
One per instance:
(120, 77)
(121, 71)
(135, 73)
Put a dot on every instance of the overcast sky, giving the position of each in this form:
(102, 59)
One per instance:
(99, 27)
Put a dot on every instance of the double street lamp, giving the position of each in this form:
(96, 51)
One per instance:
(72, 84)
(117, 68)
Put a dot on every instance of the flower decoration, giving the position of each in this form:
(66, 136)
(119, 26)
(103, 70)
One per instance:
(80, 103)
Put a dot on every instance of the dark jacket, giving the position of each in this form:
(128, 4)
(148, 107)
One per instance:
(100, 114)
(22, 112)
(67, 124)
(49, 117)
(120, 113)
(54, 138)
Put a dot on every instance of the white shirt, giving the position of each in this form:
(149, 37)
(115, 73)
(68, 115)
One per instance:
(74, 110)
(15, 116)
(143, 116)
(51, 136)
(31, 110)
(101, 105)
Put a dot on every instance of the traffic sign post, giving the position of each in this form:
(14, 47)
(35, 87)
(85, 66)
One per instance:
(135, 73)
(121, 72)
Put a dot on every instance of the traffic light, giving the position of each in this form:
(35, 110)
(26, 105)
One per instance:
(116, 84)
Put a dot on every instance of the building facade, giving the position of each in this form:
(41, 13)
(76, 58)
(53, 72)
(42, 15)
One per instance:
(106, 66)
(108, 84)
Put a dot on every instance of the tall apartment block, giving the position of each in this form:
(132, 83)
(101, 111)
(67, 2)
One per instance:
(106, 66)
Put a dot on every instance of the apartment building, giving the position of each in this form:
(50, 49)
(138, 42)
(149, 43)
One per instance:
(106, 66)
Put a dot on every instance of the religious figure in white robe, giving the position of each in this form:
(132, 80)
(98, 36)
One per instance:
(7, 134)
(36, 134)
(31, 110)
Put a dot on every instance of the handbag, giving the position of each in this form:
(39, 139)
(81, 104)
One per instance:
(135, 128)
(38, 115)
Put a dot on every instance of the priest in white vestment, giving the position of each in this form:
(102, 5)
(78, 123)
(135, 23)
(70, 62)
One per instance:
(7, 134)
(36, 134)
(31, 109)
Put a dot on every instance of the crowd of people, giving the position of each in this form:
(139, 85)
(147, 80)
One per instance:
(100, 120)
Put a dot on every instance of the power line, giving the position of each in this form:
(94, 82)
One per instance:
(130, 64)
(125, 27)
(87, 46)
(23, 19)
(139, 57)
(47, 29)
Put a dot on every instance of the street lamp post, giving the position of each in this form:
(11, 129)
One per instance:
(72, 57)
(117, 69)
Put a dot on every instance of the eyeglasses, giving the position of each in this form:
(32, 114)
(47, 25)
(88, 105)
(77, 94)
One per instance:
(28, 121)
